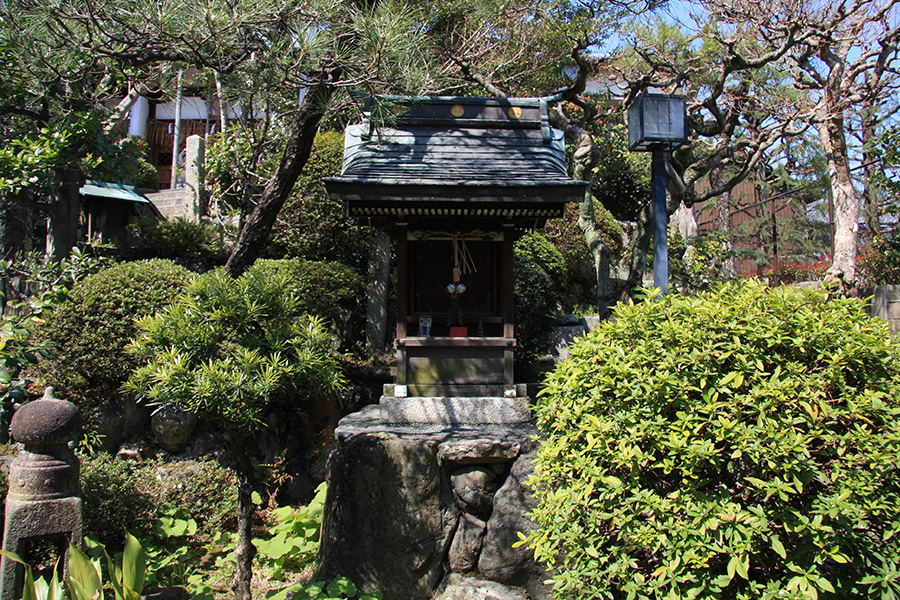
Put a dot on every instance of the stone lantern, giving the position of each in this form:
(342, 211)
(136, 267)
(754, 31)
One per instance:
(43, 501)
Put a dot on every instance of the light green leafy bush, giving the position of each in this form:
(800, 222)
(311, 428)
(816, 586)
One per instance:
(294, 542)
(244, 354)
(740, 444)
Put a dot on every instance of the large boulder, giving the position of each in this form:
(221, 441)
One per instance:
(408, 503)
(389, 516)
(457, 587)
(500, 560)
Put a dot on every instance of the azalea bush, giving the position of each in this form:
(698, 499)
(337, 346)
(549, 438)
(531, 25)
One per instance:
(740, 444)
(880, 264)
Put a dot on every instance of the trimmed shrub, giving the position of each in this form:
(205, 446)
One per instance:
(122, 496)
(534, 316)
(203, 489)
(85, 336)
(740, 444)
(178, 238)
(325, 289)
(535, 248)
(117, 498)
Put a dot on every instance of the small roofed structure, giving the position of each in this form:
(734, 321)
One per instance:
(108, 208)
(455, 181)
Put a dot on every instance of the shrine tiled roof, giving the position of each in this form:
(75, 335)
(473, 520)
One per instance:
(433, 154)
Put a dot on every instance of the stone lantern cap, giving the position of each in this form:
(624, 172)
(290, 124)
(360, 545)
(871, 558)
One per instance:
(46, 422)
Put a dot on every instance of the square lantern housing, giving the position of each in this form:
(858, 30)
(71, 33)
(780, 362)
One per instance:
(657, 122)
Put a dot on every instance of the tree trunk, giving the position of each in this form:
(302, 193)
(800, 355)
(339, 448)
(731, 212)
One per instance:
(245, 550)
(641, 238)
(62, 216)
(723, 221)
(255, 232)
(587, 223)
(846, 207)
(377, 296)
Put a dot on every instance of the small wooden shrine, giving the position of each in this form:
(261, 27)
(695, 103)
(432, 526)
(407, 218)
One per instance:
(455, 181)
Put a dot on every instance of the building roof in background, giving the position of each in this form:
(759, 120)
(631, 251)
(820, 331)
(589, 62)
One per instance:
(111, 190)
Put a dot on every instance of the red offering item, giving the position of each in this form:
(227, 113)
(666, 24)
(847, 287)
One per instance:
(459, 332)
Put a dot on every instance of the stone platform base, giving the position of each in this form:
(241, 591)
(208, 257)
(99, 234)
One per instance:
(409, 504)
(454, 410)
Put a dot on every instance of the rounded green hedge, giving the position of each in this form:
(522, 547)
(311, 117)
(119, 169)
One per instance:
(85, 336)
(740, 444)
(324, 289)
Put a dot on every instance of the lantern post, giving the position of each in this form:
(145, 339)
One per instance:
(657, 123)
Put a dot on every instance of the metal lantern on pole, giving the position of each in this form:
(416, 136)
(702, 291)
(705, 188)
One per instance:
(657, 123)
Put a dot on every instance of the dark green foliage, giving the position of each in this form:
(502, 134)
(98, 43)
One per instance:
(880, 265)
(85, 336)
(621, 180)
(787, 273)
(122, 496)
(699, 266)
(202, 489)
(534, 315)
(740, 444)
(326, 289)
(312, 227)
(566, 236)
(117, 498)
(4, 487)
(124, 162)
(177, 238)
(534, 248)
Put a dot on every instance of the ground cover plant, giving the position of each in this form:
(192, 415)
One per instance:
(740, 444)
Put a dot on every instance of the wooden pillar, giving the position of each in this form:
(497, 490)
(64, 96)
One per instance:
(507, 309)
(507, 305)
(402, 300)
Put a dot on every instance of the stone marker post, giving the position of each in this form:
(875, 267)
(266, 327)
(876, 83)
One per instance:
(43, 501)
(194, 173)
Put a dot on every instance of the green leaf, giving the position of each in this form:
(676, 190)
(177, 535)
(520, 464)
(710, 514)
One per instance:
(30, 591)
(134, 564)
(342, 587)
(777, 546)
(83, 574)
